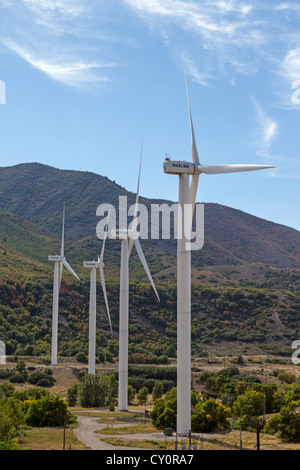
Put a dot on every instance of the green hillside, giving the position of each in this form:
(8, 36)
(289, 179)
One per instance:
(225, 321)
(246, 279)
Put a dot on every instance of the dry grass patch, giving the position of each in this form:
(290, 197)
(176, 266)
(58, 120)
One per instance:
(50, 439)
(138, 444)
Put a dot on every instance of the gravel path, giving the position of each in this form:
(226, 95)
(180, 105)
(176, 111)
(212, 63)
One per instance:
(86, 432)
(89, 432)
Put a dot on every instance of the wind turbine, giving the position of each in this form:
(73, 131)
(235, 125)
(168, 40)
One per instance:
(187, 198)
(59, 262)
(93, 266)
(128, 237)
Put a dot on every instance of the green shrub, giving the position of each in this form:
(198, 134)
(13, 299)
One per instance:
(81, 357)
(11, 418)
(47, 411)
(17, 378)
(286, 423)
(5, 374)
(38, 378)
(210, 415)
(45, 382)
(97, 390)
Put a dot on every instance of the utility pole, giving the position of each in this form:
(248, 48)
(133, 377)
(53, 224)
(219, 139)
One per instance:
(257, 435)
(64, 438)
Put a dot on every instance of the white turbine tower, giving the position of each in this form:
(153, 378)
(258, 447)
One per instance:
(187, 198)
(59, 262)
(128, 239)
(93, 266)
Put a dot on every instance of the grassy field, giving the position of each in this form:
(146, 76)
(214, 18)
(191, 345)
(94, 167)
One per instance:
(50, 439)
(140, 434)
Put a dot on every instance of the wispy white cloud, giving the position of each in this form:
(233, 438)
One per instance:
(208, 18)
(218, 39)
(224, 38)
(219, 34)
(194, 71)
(288, 6)
(287, 167)
(267, 130)
(71, 72)
(67, 7)
(57, 15)
(53, 36)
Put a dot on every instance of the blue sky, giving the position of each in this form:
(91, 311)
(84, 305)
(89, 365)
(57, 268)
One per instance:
(84, 82)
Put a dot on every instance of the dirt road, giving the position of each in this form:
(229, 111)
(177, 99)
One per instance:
(86, 433)
(89, 432)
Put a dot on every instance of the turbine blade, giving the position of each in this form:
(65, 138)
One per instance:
(219, 169)
(100, 259)
(195, 156)
(144, 263)
(193, 192)
(61, 265)
(138, 185)
(66, 264)
(130, 246)
(105, 295)
(134, 221)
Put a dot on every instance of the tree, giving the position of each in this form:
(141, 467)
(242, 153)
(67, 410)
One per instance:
(168, 418)
(293, 393)
(164, 411)
(158, 390)
(21, 368)
(131, 393)
(143, 395)
(112, 389)
(171, 351)
(91, 391)
(210, 415)
(157, 412)
(273, 399)
(286, 422)
(72, 395)
(47, 411)
(11, 418)
(97, 390)
(250, 403)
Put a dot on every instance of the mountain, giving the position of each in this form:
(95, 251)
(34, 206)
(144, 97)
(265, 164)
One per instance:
(23, 246)
(38, 192)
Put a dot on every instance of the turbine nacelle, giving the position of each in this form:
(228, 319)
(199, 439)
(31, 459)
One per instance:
(91, 264)
(54, 258)
(178, 167)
